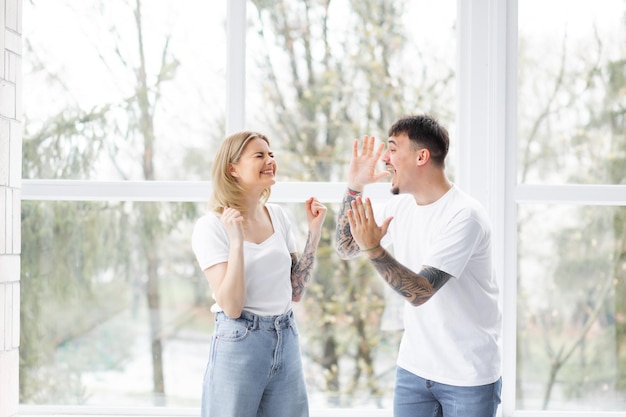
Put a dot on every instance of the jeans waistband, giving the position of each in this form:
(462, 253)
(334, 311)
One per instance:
(256, 322)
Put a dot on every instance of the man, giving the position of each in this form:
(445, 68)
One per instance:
(449, 358)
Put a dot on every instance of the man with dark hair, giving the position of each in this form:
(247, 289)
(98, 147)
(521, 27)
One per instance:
(449, 358)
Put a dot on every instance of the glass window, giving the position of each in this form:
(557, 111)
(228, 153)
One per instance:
(114, 311)
(114, 307)
(571, 121)
(571, 130)
(130, 94)
(571, 308)
(323, 73)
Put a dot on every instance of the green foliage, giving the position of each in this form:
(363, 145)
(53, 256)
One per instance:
(72, 275)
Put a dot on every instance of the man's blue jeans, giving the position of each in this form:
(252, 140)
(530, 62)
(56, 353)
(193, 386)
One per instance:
(418, 397)
(254, 368)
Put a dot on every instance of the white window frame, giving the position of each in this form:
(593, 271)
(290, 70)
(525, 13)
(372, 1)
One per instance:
(487, 136)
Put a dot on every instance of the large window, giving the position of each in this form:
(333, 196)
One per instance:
(118, 150)
(571, 287)
(115, 311)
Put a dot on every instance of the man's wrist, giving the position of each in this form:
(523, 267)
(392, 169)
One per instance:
(374, 253)
(353, 191)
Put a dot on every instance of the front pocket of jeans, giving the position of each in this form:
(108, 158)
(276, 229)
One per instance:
(230, 330)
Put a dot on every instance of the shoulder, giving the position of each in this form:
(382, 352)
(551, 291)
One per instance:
(277, 212)
(465, 207)
(208, 220)
(206, 223)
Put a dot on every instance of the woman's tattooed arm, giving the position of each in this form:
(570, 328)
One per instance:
(416, 288)
(346, 246)
(302, 269)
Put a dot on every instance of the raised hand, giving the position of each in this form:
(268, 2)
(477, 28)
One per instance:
(365, 231)
(315, 214)
(233, 223)
(362, 168)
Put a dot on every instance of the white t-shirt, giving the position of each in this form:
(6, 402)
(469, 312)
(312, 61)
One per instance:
(453, 338)
(267, 266)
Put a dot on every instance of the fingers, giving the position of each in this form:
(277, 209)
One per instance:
(367, 148)
(385, 225)
(231, 215)
(362, 210)
(314, 207)
(380, 150)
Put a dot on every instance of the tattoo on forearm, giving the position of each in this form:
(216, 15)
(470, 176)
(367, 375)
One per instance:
(346, 246)
(416, 288)
(302, 269)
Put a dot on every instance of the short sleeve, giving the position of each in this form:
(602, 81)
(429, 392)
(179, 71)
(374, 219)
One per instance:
(209, 241)
(458, 242)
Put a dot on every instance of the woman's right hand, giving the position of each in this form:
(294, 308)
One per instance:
(233, 223)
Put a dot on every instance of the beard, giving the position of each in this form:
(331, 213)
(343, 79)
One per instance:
(395, 190)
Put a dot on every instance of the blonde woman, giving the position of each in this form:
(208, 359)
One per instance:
(245, 246)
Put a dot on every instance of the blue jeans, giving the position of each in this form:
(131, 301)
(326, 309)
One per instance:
(255, 368)
(418, 397)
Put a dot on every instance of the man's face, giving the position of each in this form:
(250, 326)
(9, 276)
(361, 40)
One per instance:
(400, 161)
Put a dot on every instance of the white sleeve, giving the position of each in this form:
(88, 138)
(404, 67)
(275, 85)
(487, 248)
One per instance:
(458, 242)
(209, 241)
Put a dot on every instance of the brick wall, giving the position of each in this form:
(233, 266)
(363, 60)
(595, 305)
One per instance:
(10, 180)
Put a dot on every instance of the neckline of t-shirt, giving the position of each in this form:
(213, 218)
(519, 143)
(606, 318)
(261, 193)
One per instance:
(437, 202)
(272, 220)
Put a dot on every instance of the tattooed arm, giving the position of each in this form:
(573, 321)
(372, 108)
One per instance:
(347, 247)
(415, 288)
(302, 269)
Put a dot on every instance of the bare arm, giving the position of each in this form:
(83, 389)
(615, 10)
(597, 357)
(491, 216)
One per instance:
(347, 248)
(302, 269)
(227, 280)
(416, 288)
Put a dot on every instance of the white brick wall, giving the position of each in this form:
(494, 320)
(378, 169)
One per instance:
(10, 183)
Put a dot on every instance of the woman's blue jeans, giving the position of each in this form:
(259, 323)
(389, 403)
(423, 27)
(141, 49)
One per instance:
(255, 368)
(418, 397)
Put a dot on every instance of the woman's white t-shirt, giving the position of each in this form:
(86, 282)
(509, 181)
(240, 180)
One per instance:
(267, 266)
(454, 337)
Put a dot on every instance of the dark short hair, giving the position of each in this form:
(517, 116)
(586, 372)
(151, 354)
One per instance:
(424, 131)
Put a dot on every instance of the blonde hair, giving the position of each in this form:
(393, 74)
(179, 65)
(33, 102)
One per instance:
(227, 192)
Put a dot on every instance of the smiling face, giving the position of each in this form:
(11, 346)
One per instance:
(256, 167)
(402, 161)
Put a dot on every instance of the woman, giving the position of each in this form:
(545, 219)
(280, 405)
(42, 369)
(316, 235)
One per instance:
(246, 249)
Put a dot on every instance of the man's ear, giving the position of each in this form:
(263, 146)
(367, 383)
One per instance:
(423, 155)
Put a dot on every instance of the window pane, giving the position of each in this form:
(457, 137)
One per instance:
(323, 73)
(571, 94)
(116, 312)
(108, 96)
(571, 336)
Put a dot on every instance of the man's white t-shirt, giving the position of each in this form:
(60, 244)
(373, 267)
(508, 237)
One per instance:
(267, 265)
(454, 337)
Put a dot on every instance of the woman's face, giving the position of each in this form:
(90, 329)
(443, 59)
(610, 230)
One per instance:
(257, 166)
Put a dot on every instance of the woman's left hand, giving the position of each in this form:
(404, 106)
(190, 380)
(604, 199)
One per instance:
(315, 214)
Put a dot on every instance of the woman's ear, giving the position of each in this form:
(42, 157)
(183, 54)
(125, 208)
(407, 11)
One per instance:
(233, 171)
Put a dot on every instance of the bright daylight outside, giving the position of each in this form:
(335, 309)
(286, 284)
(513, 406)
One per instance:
(115, 311)
(571, 289)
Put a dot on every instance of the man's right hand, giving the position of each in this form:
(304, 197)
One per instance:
(362, 168)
